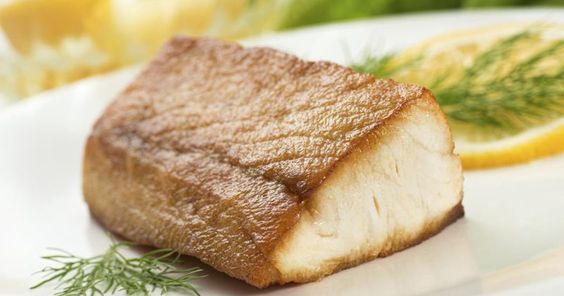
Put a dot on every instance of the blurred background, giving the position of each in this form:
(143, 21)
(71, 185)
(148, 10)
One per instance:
(48, 43)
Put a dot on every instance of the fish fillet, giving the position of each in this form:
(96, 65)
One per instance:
(270, 168)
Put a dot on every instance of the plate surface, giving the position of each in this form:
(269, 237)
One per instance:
(511, 238)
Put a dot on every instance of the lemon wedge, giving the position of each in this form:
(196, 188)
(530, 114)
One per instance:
(26, 22)
(59, 41)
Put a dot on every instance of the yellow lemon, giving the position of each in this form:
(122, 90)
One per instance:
(31, 21)
(447, 56)
(59, 41)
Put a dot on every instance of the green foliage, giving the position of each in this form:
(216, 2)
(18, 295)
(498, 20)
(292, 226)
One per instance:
(519, 98)
(112, 272)
(301, 13)
(382, 67)
(504, 98)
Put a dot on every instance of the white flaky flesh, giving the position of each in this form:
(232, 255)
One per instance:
(388, 194)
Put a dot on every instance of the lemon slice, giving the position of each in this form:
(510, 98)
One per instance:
(448, 54)
(532, 144)
(443, 59)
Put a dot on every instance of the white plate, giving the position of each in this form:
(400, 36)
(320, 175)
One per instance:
(512, 235)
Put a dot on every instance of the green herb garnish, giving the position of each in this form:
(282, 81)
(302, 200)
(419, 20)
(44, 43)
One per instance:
(385, 66)
(492, 93)
(112, 272)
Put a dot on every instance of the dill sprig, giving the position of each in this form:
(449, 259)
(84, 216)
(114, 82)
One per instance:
(503, 90)
(112, 272)
(385, 66)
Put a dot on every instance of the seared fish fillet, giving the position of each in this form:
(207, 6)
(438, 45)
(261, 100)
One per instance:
(270, 168)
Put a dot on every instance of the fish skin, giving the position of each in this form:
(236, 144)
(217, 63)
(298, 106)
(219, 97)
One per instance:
(214, 148)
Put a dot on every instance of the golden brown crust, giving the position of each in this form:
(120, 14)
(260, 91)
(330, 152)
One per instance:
(259, 109)
(213, 148)
(147, 206)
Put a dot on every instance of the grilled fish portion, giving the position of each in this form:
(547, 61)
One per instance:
(270, 168)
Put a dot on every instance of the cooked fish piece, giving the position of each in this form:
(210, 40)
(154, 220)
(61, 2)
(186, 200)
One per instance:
(270, 168)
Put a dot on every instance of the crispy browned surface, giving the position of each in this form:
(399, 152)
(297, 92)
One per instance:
(214, 147)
